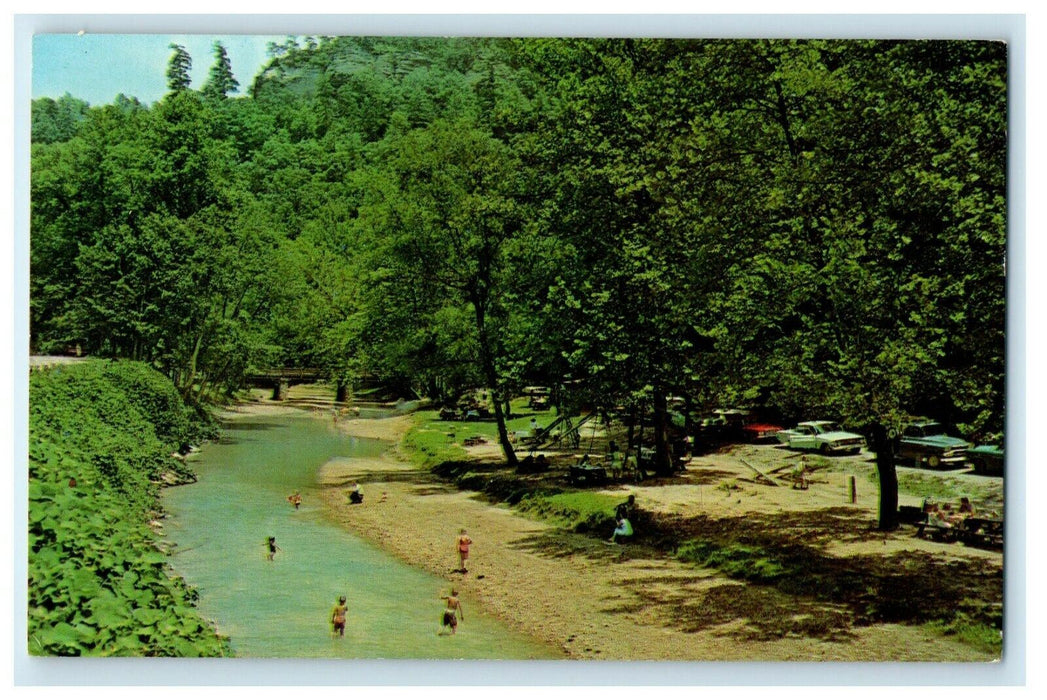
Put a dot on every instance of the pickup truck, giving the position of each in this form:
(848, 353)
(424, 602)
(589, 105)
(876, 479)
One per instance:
(926, 442)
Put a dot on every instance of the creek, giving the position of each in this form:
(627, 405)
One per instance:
(282, 608)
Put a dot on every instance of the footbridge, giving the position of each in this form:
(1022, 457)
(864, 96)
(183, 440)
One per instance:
(283, 378)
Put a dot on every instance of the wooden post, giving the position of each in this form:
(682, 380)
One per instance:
(852, 489)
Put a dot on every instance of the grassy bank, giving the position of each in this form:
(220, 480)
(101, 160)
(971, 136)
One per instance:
(101, 439)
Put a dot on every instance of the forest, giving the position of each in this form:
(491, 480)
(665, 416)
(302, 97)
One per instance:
(809, 228)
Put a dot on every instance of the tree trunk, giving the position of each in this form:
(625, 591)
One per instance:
(883, 444)
(639, 442)
(491, 376)
(190, 379)
(662, 466)
(341, 392)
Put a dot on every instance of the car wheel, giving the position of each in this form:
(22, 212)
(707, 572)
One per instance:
(934, 461)
(824, 449)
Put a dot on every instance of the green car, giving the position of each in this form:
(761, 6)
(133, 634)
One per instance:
(925, 442)
(986, 459)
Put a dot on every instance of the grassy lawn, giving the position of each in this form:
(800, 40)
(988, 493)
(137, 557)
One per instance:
(432, 441)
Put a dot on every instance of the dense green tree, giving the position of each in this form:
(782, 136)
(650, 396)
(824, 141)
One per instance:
(447, 215)
(56, 120)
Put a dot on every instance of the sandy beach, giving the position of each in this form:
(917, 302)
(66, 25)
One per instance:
(593, 600)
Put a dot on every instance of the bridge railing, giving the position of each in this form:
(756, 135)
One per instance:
(286, 373)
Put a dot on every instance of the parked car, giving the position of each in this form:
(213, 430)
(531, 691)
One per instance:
(761, 432)
(986, 459)
(725, 424)
(927, 442)
(824, 436)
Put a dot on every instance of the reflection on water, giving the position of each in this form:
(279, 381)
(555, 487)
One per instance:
(281, 608)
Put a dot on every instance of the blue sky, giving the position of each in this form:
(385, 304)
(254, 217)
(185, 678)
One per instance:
(98, 67)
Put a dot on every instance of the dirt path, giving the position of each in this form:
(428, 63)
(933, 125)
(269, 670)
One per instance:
(598, 601)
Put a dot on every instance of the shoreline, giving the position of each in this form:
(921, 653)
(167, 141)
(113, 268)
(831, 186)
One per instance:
(577, 594)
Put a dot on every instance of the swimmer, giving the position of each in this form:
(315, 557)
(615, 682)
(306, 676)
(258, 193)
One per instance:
(338, 617)
(270, 544)
(452, 613)
(462, 544)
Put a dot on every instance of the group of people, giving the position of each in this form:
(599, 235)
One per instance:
(453, 611)
(945, 516)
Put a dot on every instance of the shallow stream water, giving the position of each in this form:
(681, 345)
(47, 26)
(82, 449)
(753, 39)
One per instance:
(282, 608)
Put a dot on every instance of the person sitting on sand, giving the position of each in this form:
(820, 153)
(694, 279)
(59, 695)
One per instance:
(295, 499)
(452, 612)
(624, 529)
(338, 615)
(625, 509)
(356, 496)
(462, 545)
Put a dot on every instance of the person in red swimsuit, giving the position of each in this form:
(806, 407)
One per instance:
(462, 544)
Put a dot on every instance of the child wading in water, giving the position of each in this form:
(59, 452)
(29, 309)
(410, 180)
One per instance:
(338, 617)
(295, 499)
(270, 544)
(462, 543)
(452, 613)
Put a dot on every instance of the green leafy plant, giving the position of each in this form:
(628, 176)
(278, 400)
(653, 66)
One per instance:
(101, 435)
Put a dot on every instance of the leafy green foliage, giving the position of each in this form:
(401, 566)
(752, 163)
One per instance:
(55, 121)
(811, 227)
(100, 436)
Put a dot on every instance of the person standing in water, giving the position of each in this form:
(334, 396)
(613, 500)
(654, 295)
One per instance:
(295, 499)
(462, 544)
(271, 547)
(452, 613)
(338, 617)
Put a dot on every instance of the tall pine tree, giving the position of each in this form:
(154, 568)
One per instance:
(178, 69)
(220, 81)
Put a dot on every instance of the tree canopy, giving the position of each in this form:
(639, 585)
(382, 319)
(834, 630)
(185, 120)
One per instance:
(806, 227)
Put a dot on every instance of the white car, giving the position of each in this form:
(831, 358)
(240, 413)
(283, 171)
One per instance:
(822, 436)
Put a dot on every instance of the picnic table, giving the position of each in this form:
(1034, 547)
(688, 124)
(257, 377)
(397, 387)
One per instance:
(985, 531)
(586, 474)
(974, 530)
